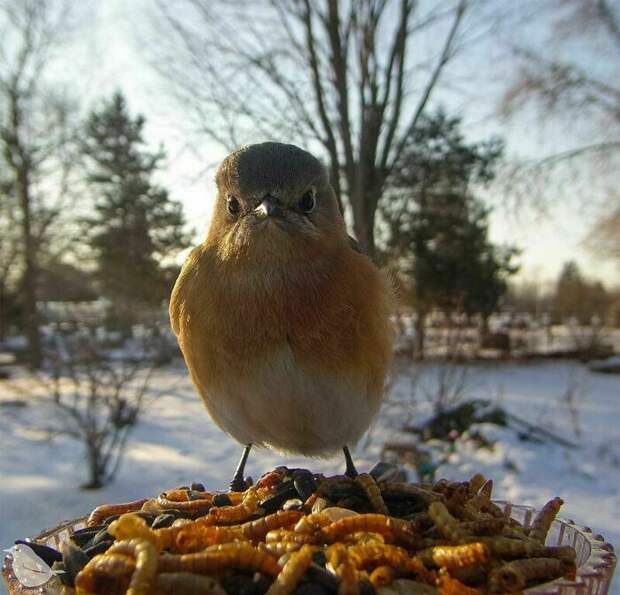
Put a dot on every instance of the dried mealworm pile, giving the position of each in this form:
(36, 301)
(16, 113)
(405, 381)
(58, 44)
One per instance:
(303, 533)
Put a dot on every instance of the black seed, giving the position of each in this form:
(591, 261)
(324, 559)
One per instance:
(388, 472)
(111, 519)
(176, 513)
(149, 517)
(163, 520)
(285, 492)
(319, 558)
(366, 588)
(199, 487)
(73, 559)
(243, 584)
(259, 513)
(48, 554)
(354, 503)
(59, 567)
(341, 487)
(83, 539)
(87, 530)
(194, 514)
(222, 500)
(98, 548)
(404, 505)
(103, 535)
(319, 575)
(305, 484)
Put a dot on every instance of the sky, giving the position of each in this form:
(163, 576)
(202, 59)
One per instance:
(108, 54)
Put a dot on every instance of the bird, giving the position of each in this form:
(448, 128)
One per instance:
(283, 323)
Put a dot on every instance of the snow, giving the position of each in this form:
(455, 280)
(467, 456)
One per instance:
(175, 443)
(611, 365)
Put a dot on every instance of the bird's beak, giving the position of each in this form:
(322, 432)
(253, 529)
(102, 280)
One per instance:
(270, 207)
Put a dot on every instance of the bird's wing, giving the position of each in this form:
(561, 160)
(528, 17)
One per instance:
(181, 288)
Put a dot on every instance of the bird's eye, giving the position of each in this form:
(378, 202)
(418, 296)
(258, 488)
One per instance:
(233, 205)
(307, 202)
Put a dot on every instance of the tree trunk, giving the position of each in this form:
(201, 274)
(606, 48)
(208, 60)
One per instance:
(29, 284)
(3, 312)
(365, 233)
(364, 209)
(420, 333)
(484, 329)
(95, 472)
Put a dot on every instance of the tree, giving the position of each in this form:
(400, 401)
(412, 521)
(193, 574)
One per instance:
(349, 78)
(35, 134)
(604, 237)
(96, 399)
(9, 251)
(579, 91)
(579, 298)
(529, 296)
(137, 228)
(436, 229)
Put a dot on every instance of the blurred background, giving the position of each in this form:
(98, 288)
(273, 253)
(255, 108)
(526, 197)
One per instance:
(474, 146)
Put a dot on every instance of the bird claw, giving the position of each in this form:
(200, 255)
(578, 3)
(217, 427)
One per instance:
(237, 485)
(352, 472)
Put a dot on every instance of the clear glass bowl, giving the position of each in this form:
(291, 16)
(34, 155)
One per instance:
(596, 560)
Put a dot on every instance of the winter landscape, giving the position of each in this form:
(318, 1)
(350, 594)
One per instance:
(332, 172)
(175, 443)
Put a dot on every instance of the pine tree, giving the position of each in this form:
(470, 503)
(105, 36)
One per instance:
(137, 228)
(436, 229)
(579, 297)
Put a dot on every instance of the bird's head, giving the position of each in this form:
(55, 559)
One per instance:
(274, 206)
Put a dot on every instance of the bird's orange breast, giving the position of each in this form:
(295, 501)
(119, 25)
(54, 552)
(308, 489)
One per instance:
(334, 315)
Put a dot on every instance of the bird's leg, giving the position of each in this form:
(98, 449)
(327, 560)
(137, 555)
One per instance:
(350, 471)
(238, 483)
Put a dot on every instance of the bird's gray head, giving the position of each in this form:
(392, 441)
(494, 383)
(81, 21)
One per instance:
(273, 199)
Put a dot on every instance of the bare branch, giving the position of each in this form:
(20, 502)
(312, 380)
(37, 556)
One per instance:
(608, 17)
(444, 57)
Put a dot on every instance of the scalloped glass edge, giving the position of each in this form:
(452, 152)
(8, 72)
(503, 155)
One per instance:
(596, 560)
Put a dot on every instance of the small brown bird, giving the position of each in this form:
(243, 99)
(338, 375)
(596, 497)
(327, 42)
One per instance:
(283, 324)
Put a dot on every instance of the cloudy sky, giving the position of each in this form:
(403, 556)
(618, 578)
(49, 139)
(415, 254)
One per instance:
(110, 53)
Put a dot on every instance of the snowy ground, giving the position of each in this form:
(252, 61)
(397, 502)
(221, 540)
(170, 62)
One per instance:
(175, 443)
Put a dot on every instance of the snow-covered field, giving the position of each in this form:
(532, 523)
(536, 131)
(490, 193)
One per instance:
(175, 443)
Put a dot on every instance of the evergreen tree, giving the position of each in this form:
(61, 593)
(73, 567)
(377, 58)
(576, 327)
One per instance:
(436, 229)
(578, 297)
(137, 228)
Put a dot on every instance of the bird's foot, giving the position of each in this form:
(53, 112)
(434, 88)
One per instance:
(350, 470)
(238, 484)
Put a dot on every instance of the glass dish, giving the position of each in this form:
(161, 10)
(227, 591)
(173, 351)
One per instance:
(596, 560)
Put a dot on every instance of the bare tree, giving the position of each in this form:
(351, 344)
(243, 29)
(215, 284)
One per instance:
(9, 250)
(349, 79)
(91, 394)
(97, 398)
(34, 135)
(579, 91)
(604, 238)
